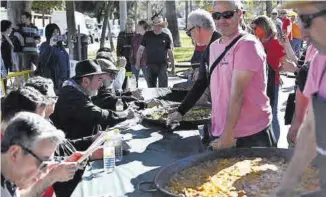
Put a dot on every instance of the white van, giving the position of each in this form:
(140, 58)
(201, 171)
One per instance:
(91, 25)
(60, 18)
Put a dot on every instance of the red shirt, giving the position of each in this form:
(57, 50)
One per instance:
(274, 52)
(287, 24)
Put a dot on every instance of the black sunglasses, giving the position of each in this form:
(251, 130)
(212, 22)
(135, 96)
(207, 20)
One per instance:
(226, 14)
(43, 163)
(306, 19)
(188, 32)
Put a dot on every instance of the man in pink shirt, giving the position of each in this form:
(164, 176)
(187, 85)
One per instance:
(241, 113)
(311, 138)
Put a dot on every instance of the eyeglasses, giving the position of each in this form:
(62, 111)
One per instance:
(43, 163)
(306, 19)
(188, 32)
(274, 13)
(226, 14)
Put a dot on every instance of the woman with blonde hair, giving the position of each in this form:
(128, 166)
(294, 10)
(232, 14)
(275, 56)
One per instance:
(266, 32)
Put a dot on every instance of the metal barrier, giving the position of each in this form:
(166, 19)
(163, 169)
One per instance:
(15, 80)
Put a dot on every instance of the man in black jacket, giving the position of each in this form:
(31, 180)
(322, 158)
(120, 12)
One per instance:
(106, 98)
(198, 20)
(75, 112)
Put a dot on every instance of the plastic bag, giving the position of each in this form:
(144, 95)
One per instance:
(117, 83)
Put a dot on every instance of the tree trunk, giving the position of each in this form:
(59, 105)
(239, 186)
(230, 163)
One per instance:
(123, 14)
(269, 8)
(105, 24)
(173, 22)
(111, 38)
(187, 12)
(71, 24)
(136, 12)
(190, 5)
(149, 10)
(43, 19)
(16, 8)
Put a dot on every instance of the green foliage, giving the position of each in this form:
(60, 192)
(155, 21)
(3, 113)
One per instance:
(47, 6)
(94, 8)
(255, 8)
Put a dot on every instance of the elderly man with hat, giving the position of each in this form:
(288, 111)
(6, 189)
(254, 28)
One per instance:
(311, 141)
(157, 45)
(105, 97)
(75, 112)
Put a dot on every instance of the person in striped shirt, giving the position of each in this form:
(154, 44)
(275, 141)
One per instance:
(31, 37)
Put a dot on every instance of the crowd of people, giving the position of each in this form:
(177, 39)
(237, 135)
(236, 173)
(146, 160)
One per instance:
(53, 114)
(243, 74)
(147, 49)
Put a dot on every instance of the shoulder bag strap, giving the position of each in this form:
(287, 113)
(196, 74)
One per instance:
(227, 48)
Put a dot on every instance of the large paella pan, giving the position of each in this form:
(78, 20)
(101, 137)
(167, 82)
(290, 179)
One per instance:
(230, 173)
(198, 115)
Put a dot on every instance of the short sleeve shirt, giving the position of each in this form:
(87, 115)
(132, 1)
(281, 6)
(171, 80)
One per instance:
(316, 81)
(287, 24)
(8, 189)
(247, 55)
(275, 52)
(156, 47)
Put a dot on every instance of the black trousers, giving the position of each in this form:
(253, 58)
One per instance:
(264, 138)
(157, 72)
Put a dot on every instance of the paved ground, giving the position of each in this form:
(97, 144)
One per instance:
(286, 89)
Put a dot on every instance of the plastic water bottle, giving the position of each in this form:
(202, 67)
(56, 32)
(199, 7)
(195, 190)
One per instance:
(109, 155)
(117, 145)
(119, 104)
(133, 83)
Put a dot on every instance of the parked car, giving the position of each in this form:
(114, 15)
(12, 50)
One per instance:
(60, 18)
(98, 33)
(115, 30)
(91, 25)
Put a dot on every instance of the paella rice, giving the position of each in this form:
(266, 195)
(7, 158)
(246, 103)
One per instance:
(236, 177)
(193, 114)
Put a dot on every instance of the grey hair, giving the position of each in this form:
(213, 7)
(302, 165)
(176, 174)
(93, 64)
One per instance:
(201, 18)
(28, 129)
(236, 4)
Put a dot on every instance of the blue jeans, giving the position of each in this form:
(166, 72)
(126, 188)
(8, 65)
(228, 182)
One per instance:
(275, 122)
(296, 46)
(136, 73)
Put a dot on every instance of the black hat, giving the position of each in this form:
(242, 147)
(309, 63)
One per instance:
(87, 68)
(107, 66)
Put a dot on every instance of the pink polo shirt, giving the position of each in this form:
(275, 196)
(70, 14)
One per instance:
(255, 115)
(316, 81)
